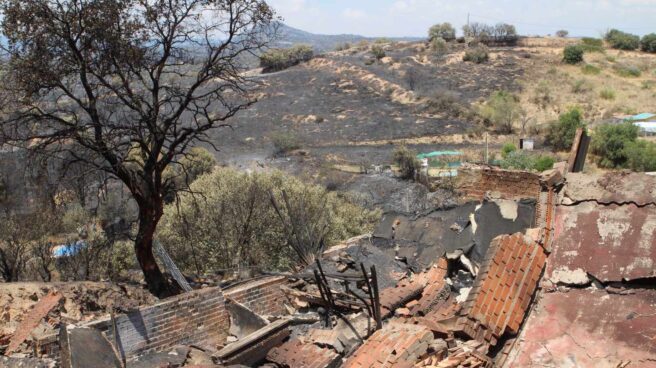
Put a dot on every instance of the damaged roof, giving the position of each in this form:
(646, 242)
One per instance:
(589, 328)
(614, 187)
(470, 228)
(609, 242)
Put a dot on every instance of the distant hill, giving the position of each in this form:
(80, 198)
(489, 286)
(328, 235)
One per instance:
(289, 36)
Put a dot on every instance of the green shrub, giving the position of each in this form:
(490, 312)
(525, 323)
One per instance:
(590, 41)
(625, 70)
(502, 109)
(444, 31)
(439, 46)
(284, 142)
(648, 43)
(560, 134)
(581, 86)
(589, 44)
(279, 59)
(641, 155)
(382, 40)
(573, 54)
(622, 40)
(378, 52)
(611, 58)
(507, 149)
(477, 54)
(543, 163)
(229, 221)
(590, 69)
(407, 162)
(609, 142)
(518, 160)
(607, 94)
(522, 160)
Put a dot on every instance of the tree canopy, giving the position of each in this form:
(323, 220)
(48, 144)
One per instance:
(128, 87)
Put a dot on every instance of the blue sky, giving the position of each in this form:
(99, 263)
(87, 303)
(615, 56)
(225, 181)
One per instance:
(413, 17)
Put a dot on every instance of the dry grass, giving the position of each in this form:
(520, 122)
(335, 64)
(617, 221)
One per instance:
(603, 86)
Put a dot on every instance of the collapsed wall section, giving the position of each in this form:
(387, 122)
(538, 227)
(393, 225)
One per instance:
(197, 317)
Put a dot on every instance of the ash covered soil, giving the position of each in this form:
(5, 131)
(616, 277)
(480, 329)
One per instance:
(342, 104)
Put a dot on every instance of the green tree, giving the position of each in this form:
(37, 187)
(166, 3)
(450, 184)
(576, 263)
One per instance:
(378, 52)
(444, 31)
(502, 109)
(610, 142)
(561, 133)
(119, 72)
(622, 40)
(229, 220)
(648, 43)
(562, 33)
(407, 162)
(641, 155)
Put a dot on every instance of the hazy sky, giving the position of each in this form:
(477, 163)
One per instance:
(413, 17)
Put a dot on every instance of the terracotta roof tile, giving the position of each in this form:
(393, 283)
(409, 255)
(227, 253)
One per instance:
(503, 288)
(296, 353)
(396, 345)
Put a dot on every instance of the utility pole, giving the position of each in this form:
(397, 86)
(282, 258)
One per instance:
(487, 158)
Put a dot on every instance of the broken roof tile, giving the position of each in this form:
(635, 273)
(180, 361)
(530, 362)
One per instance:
(436, 290)
(610, 242)
(396, 345)
(296, 353)
(32, 320)
(503, 289)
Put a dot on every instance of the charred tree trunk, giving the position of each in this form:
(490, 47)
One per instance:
(149, 216)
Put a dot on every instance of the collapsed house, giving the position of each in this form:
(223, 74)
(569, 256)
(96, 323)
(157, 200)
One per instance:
(526, 270)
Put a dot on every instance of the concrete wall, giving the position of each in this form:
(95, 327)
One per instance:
(263, 296)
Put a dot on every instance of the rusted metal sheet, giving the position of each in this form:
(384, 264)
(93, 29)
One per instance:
(616, 187)
(609, 242)
(589, 328)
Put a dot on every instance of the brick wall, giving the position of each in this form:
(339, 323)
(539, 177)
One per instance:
(509, 184)
(197, 317)
(263, 296)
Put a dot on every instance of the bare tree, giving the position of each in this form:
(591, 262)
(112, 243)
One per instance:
(106, 82)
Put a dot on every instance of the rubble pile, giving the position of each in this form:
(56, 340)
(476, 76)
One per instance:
(73, 303)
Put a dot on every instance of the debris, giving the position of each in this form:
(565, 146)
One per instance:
(296, 353)
(243, 321)
(84, 347)
(32, 320)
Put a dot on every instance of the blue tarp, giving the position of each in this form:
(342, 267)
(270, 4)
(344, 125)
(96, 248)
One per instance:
(643, 116)
(67, 250)
(438, 154)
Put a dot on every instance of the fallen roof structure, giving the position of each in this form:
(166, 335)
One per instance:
(556, 271)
